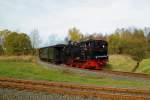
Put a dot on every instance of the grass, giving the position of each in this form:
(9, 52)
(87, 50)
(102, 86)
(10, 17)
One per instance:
(31, 70)
(144, 66)
(121, 63)
(18, 58)
(125, 63)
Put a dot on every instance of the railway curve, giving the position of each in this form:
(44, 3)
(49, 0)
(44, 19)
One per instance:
(114, 74)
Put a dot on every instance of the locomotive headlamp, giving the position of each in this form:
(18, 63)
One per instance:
(103, 46)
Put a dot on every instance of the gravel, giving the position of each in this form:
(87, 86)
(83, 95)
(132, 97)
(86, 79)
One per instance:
(13, 94)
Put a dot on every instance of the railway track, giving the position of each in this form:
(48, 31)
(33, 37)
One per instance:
(76, 89)
(129, 74)
(101, 72)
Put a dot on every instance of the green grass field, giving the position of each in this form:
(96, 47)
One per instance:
(144, 66)
(125, 63)
(121, 63)
(31, 70)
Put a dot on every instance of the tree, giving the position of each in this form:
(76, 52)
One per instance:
(24, 43)
(52, 40)
(137, 47)
(95, 36)
(137, 53)
(148, 37)
(1, 43)
(1, 50)
(74, 34)
(35, 39)
(17, 44)
(3, 35)
(124, 41)
(66, 40)
(11, 43)
(114, 43)
(133, 43)
(146, 31)
(148, 44)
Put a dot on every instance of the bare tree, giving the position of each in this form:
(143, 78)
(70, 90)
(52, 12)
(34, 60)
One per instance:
(52, 39)
(35, 38)
(3, 35)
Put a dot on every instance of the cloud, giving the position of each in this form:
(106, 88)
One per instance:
(57, 16)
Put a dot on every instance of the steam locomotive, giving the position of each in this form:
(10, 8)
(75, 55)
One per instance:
(89, 54)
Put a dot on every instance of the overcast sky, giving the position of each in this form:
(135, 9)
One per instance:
(57, 16)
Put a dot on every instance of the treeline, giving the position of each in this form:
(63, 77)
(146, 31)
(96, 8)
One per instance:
(123, 41)
(15, 43)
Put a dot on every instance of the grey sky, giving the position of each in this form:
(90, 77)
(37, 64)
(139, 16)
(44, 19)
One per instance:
(57, 16)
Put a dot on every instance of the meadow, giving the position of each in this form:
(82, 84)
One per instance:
(29, 69)
(125, 63)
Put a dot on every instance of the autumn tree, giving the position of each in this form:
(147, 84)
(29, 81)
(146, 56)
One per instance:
(148, 37)
(17, 44)
(74, 34)
(124, 41)
(94, 36)
(24, 43)
(114, 43)
(1, 43)
(136, 46)
(11, 43)
(1, 50)
(148, 44)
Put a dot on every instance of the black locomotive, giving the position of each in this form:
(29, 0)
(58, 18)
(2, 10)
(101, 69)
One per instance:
(90, 54)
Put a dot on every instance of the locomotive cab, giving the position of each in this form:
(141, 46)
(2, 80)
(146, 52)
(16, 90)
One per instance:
(99, 49)
(94, 49)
